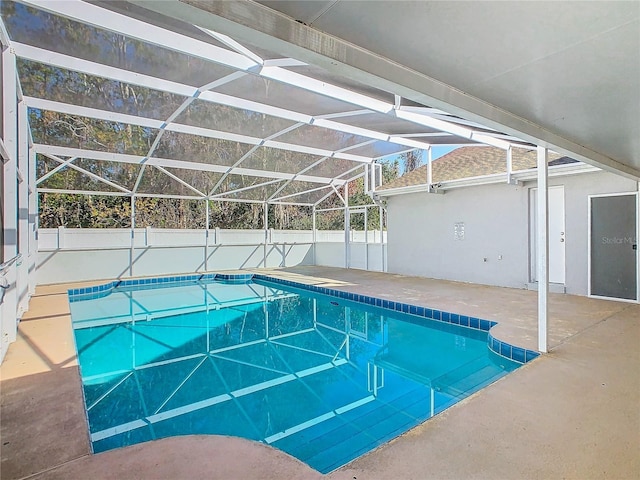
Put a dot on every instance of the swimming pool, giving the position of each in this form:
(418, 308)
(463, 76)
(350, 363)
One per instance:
(325, 378)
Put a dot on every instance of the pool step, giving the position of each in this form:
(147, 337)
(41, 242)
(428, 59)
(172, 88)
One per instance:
(468, 379)
(340, 439)
(368, 429)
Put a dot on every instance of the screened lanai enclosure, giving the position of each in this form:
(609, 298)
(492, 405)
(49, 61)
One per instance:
(135, 143)
(133, 116)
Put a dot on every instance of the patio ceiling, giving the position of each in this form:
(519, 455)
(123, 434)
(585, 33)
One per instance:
(212, 117)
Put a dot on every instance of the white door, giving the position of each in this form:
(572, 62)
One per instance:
(556, 234)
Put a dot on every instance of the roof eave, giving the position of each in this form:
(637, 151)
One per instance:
(519, 176)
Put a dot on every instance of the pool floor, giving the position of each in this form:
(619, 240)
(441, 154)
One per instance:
(323, 379)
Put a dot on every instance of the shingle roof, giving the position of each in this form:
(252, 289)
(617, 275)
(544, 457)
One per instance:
(466, 162)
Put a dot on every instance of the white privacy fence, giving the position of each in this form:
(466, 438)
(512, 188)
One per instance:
(68, 255)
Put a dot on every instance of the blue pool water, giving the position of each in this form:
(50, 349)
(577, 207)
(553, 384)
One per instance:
(322, 378)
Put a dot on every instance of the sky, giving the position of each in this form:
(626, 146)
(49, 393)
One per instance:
(436, 152)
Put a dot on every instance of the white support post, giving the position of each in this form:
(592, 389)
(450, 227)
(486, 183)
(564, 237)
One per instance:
(33, 222)
(542, 261)
(266, 234)
(133, 233)
(206, 236)
(429, 169)
(347, 226)
(314, 235)
(9, 239)
(373, 168)
(10, 138)
(22, 280)
(382, 239)
(366, 178)
(509, 164)
(61, 237)
(366, 239)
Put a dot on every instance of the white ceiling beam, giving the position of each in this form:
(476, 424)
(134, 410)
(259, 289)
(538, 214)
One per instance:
(244, 189)
(424, 110)
(185, 104)
(342, 176)
(235, 200)
(447, 117)
(315, 164)
(96, 69)
(89, 112)
(335, 190)
(109, 20)
(323, 198)
(165, 162)
(4, 35)
(324, 88)
(408, 142)
(298, 194)
(350, 113)
(88, 173)
(182, 182)
(36, 54)
(421, 135)
(143, 195)
(363, 132)
(82, 192)
(295, 204)
(284, 62)
(249, 154)
(231, 43)
(358, 145)
(223, 99)
(286, 184)
(56, 169)
(448, 127)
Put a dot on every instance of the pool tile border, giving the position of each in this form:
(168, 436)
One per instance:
(503, 349)
(89, 293)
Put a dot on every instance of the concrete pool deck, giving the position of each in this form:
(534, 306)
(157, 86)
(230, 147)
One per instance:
(572, 413)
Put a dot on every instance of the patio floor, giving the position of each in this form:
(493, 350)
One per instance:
(572, 413)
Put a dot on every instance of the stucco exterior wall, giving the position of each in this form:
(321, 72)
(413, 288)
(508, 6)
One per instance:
(495, 248)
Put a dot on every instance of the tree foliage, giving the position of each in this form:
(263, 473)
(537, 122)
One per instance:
(96, 210)
(411, 160)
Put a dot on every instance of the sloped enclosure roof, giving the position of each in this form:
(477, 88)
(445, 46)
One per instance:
(125, 101)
